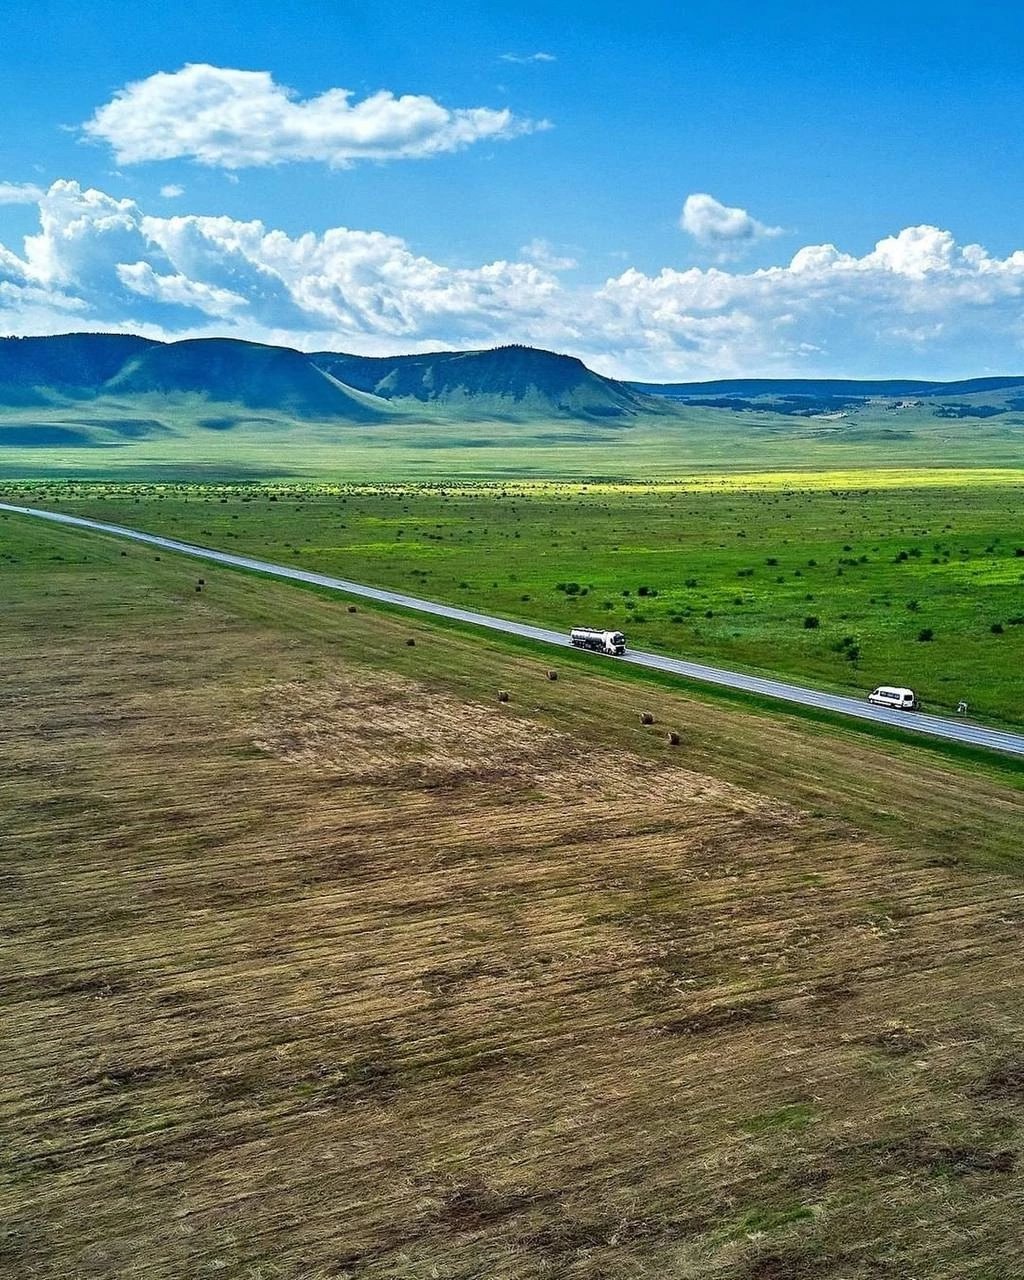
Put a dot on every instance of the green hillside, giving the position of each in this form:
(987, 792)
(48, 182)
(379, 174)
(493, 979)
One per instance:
(509, 380)
(244, 373)
(42, 370)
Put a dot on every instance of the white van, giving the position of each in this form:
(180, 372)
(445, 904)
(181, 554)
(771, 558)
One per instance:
(887, 696)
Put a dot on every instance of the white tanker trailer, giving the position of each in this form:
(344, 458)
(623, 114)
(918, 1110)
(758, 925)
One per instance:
(600, 641)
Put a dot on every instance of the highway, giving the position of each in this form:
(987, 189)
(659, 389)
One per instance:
(914, 722)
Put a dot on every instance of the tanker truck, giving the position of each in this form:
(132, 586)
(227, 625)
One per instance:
(600, 641)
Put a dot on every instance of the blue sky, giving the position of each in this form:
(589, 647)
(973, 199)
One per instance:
(668, 190)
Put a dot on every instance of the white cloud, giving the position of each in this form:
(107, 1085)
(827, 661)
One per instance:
(172, 191)
(239, 119)
(19, 193)
(524, 59)
(140, 278)
(718, 226)
(917, 304)
(542, 253)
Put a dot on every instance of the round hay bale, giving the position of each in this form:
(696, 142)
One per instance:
(352, 609)
(646, 717)
(199, 589)
(552, 675)
(673, 738)
(503, 695)
(411, 643)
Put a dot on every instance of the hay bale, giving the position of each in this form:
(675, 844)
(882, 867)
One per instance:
(202, 582)
(673, 738)
(503, 695)
(411, 643)
(199, 589)
(646, 717)
(352, 609)
(552, 675)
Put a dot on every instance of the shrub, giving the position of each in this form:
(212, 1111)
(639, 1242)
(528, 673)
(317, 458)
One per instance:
(926, 634)
(996, 628)
(811, 622)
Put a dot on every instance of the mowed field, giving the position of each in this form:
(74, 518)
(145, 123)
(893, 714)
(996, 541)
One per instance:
(844, 580)
(321, 962)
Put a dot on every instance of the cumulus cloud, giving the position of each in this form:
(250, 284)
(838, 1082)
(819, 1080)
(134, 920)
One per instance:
(718, 226)
(233, 119)
(171, 191)
(918, 304)
(19, 193)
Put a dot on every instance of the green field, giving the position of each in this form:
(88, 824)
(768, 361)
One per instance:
(321, 962)
(843, 579)
(145, 435)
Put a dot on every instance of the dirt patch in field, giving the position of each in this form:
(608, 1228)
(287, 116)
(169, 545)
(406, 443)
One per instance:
(379, 728)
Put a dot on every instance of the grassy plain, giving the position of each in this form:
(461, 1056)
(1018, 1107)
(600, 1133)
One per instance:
(322, 963)
(846, 579)
(144, 435)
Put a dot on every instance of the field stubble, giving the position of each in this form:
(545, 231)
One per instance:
(324, 963)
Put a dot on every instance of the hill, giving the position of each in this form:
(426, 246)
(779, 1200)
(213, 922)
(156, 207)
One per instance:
(243, 373)
(43, 370)
(513, 380)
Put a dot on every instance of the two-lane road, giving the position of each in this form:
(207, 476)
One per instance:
(912, 722)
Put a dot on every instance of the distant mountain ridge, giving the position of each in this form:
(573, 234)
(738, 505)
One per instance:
(507, 382)
(513, 383)
(754, 387)
(988, 397)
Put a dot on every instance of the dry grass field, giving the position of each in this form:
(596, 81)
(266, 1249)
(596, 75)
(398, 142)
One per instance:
(320, 962)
